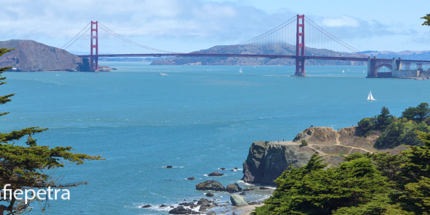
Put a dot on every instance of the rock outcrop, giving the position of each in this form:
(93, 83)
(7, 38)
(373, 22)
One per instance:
(238, 200)
(182, 210)
(268, 160)
(233, 188)
(210, 185)
(217, 174)
(33, 56)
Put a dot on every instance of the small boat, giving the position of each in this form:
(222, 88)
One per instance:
(343, 71)
(370, 97)
(13, 69)
(58, 75)
(240, 70)
(163, 74)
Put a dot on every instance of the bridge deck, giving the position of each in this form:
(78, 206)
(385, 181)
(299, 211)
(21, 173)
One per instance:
(346, 58)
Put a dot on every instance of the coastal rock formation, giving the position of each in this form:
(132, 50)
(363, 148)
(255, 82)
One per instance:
(182, 210)
(215, 174)
(33, 56)
(266, 161)
(210, 185)
(238, 200)
(232, 188)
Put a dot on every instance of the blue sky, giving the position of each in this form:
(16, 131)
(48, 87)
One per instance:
(187, 25)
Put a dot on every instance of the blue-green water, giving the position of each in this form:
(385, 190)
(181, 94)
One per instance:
(197, 119)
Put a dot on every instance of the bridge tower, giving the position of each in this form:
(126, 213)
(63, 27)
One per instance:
(94, 59)
(300, 46)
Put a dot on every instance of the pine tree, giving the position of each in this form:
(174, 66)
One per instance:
(427, 18)
(22, 166)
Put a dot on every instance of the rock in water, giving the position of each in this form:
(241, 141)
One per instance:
(216, 174)
(191, 178)
(233, 188)
(182, 210)
(33, 56)
(168, 167)
(209, 194)
(238, 200)
(210, 185)
(146, 206)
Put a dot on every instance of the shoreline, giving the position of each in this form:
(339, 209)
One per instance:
(246, 210)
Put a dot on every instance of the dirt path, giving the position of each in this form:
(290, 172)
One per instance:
(319, 151)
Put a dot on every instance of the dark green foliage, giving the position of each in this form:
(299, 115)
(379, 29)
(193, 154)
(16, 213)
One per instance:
(419, 159)
(384, 119)
(401, 132)
(24, 166)
(388, 165)
(393, 134)
(379, 204)
(304, 143)
(416, 196)
(418, 114)
(377, 123)
(427, 18)
(312, 190)
(366, 126)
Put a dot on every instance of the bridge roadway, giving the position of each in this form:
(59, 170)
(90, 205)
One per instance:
(248, 56)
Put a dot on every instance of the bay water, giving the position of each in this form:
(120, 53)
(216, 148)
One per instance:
(196, 119)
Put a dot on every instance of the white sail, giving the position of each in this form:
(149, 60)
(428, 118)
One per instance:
(370, 97)
(240, 70)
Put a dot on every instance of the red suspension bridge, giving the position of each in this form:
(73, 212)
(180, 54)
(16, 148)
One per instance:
(286, 41)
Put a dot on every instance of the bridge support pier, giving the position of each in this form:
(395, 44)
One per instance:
(372, 72)
(94, 59)
(300, 46)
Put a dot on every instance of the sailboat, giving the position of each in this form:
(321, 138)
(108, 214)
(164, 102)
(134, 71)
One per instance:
(240, 70)
(370, 97)
(343, 71)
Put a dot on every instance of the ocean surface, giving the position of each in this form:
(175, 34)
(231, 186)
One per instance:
(196, 119)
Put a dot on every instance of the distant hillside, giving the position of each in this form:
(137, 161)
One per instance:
(33, 56)
(275, 49)
(406, 55)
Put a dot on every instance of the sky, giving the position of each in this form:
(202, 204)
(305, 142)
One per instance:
(189, 25)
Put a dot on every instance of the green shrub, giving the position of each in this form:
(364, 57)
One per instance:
(304, 143)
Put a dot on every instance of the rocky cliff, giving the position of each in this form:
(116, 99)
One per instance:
(33, 56)
(268, 160)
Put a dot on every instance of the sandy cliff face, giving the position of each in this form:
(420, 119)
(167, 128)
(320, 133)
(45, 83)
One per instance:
(33, 56)
(268, 160)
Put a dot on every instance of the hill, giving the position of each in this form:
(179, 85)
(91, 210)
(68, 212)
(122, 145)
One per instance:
(406, 55)
(275, 49)
(33, 56)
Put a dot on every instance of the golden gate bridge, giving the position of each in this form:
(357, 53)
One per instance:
(289, 37)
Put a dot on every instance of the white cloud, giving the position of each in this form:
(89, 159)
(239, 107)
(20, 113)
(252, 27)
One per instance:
(177, 25)
(343, 21)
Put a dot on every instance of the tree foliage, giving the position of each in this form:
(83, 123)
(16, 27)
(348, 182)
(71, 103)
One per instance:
(313, 190)
(376, 123)
(427, 18)
(23, 166)
(417, 114)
